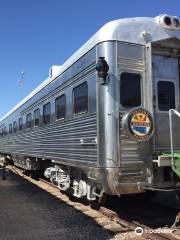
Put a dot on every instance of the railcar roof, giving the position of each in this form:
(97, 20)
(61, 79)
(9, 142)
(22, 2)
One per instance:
(138, 30)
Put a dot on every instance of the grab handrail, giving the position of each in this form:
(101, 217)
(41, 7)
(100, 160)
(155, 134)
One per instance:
(171, 133)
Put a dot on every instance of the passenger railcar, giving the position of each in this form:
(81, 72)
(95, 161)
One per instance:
(106, 121)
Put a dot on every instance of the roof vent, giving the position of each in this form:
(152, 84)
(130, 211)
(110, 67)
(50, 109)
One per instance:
(176, 22)
(54, 71)
(168, 22)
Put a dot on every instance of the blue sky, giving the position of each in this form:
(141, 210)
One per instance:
(36, 34)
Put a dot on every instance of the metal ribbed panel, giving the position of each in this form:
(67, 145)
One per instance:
(130, 64)
(59, 141)
(131, 151)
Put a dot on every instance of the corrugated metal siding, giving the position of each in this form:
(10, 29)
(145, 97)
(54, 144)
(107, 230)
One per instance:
(131, 59)
(130, 64)
(58, 141)
(131, 151)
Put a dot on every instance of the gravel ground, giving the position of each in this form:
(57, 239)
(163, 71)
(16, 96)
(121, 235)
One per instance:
(29, 213)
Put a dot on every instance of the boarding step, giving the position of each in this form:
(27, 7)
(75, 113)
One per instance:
(171, 160)
(163, 161)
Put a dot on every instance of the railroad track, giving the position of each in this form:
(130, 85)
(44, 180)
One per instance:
(104, 217)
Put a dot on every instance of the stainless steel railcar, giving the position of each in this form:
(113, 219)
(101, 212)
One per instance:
(100, 123)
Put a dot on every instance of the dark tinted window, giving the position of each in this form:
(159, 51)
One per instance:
(36, 117)
(47, 113)
(61, 107)
(28, 120)
(20, 124)
(5, 131)
(10, 128)
(14, 126)
(130, 90)
(166, 95)
(80, 94)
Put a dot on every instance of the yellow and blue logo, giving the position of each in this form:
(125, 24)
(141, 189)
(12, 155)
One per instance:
(141, 124)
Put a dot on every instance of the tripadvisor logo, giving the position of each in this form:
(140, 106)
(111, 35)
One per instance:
(139, 231)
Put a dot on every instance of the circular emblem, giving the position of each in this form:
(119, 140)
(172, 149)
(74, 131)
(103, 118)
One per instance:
(139, 124)
(139, 231)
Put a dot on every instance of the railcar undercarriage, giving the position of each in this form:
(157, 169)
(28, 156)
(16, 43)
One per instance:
(71, 180)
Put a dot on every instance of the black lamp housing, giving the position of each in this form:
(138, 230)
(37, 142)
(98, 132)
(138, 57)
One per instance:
(102, 69)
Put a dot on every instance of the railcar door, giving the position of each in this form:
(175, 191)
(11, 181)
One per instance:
(166, 96)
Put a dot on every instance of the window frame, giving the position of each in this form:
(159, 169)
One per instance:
(141, 88)
(34, 119)
(157, 94)
(29, 114)
(73, 102)
(59, 97)
(20, 120)
(15, 126)
(44, 117)
(5, 131)
(10, 128)
(1, 132)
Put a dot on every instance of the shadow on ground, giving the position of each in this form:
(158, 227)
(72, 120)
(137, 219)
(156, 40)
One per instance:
(29, 213)
(159, 211)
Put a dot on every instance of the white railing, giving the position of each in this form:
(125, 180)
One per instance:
(171, 133)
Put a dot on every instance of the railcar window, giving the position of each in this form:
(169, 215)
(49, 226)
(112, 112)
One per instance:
(10, 128)
(20, 124)
(130, 90)
(14, 126)
(47, 113)
(28, 120)
(60, 104)
(80, 94)
(2, 132)
(166, 95)
(5, 131)
(36, 117)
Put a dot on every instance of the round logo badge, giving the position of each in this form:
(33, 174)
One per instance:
(139, 231)
(140, 124)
